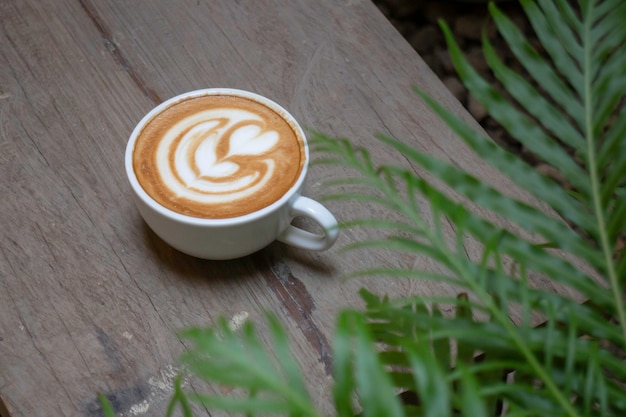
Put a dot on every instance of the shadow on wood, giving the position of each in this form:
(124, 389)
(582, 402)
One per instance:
(4, 409)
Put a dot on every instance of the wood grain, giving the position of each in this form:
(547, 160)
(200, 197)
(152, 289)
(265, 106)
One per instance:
(90, 299)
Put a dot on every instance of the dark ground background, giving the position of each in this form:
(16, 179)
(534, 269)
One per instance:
(416, 20)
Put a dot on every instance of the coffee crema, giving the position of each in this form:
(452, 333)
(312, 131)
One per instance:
(218, 156)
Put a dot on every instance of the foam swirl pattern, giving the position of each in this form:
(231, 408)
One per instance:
(217, 157)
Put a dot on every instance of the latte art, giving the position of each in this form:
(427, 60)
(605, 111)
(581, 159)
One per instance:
(217, 157)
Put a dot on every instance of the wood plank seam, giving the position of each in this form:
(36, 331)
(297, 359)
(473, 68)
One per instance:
(117, 53)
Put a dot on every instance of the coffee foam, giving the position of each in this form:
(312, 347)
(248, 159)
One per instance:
(217, 156)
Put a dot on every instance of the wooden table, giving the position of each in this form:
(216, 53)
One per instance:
(90, 298)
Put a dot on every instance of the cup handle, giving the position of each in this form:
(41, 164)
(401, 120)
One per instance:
(306, 207)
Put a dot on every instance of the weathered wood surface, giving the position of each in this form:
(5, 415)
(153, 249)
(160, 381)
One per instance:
(90, 299)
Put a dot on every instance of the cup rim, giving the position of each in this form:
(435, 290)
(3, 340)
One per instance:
(182, 218)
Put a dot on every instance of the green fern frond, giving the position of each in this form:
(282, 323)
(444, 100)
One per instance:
(238, 359)
(559, 127)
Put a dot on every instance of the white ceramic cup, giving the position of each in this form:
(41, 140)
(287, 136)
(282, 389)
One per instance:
(238, 236)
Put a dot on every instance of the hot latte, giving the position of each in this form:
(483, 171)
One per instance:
(218, 156)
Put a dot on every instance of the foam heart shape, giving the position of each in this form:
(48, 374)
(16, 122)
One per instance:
(250, 140)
